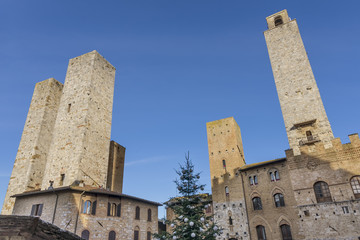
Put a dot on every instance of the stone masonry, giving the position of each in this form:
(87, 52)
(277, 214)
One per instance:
(302, 108)
(35, 141)
(80, 146)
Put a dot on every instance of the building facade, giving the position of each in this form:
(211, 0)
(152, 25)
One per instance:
(311, 193)
(67, 170)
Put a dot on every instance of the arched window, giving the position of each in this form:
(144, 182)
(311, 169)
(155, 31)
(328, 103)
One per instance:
(148, 235)
(227, 193)
(322, 192)
(112, 235)
(87, 207)
(260, 231)
(137, 213)
(279, 200)
(257, 203)
(274, 175)
(85, 234)
(149, 215)
(230, 221)
(136, 233)
(278, 21)
(355, 185)
(285, 232)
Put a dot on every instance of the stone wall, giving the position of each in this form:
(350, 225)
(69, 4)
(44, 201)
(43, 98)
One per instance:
(35, 141)
(80, 146)
(299, 96)
(69, 216)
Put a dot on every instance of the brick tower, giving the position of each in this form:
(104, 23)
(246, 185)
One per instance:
(35, 141)
(82, 130)
(226, 156)
(304, 115)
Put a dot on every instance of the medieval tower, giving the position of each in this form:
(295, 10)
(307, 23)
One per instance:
(302, 108)
(313, 192)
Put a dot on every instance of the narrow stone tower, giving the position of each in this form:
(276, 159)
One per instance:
(304, 115)
(81, 140)
(35, 141)
(226, 156)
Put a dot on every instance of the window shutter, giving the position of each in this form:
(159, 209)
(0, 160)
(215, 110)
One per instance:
(39, 209)
(33, 209)
(109, 207)
(93, 210)
(118, 210)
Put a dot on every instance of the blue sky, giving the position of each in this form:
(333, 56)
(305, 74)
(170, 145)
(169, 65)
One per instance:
(180, 64)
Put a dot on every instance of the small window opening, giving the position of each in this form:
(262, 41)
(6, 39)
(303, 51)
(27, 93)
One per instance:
(224, 163)
(309, 136)
(278, 21)
(251, 180)
(255, 180)
(36, 210)
(230, 221)
(69, 107)
(227, 193)
(137, 213)
(62, 178)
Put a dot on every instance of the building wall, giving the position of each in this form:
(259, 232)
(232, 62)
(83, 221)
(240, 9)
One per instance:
(335, 166)
(69, 217)
(35, 141)
(80, 147)
(270, 216)
(298, 93)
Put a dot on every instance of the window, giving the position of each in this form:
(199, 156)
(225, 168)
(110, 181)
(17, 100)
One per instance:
(148, 235)
(257, 203)
(279, 200)
(285, 232)
(136, 233)
(355, 185)
(112, 235)
(253, 180)
(274, 176)
(278, 21)
(118, 210)
(322, 192)
(230, 221)
(85, 234)
(345, 209)
(137, 213)
(87, 207)
(149, 215)
(62, 178)
(36, 210)
(309, 136)
(208, 208)
(260, 231)
(224, 163)
(227, 193)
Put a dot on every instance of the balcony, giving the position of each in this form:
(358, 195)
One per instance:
(309, 140)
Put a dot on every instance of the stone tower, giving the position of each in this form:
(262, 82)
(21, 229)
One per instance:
(304, 115)
(81, 140)
(35, 141)
(226, 156)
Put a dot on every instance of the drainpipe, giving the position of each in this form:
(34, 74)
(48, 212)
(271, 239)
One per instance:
(247, 216)
(78, 212)
(55, 207)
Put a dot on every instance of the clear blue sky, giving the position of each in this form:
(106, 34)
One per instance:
(180, 64)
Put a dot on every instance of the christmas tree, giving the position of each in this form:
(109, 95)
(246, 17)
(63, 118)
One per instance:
(190, 221)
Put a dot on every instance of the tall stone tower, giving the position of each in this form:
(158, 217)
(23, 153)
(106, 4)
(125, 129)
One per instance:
(226, 156)
(304, 115)
(35, 141)
(81, 140)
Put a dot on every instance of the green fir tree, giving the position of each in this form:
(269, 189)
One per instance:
(190, 221)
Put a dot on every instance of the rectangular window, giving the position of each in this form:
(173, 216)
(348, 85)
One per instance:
(62, 178)
(36, 210)
(345, 209)
(136, 235)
